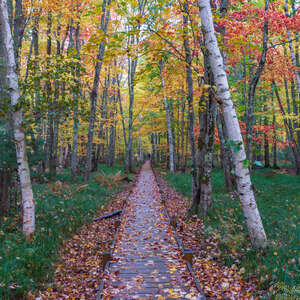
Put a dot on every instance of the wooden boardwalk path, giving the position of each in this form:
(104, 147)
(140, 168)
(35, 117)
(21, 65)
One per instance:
(147, 263)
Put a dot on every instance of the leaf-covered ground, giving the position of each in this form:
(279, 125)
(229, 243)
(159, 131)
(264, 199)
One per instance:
(217, 280)
(62, 207)
(277, 193)
(147, 262)
(80, 268)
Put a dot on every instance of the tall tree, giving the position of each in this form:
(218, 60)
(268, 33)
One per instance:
(252, 88)
(17, 120)
(244, 185)
(170, 131)
(94, 93)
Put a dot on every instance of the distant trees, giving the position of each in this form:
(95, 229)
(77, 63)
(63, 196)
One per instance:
(119, 80)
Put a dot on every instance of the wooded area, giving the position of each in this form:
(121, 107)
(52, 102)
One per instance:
(195, 86)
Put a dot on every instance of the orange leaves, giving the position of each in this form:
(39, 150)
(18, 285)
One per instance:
(217, 280)
(80, 268)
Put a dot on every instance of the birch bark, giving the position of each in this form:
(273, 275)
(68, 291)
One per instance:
(17, 119)
(244, 185)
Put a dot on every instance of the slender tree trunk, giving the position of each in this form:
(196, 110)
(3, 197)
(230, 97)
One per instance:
(244, 185)
(182, 161)
(206, 140)
(275, 166)
(141, 156)
(76, 95)
(17, 118)
(111, 144)
(19, 28)
(93, 97)
(225, 154)
(191, 127)
(252, 89)
(293, 56)
(290, 132)
(5, 178)
(170, 131)
(266, 142)
(132, 64)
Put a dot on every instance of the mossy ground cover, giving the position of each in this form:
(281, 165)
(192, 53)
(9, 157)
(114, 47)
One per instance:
(278, 197)
(61, 208)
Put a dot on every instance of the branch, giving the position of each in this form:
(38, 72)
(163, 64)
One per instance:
(282, 43)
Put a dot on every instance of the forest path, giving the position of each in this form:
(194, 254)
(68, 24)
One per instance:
(147, 262)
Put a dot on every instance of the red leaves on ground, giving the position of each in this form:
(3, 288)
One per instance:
(79, 271)
(217, 280)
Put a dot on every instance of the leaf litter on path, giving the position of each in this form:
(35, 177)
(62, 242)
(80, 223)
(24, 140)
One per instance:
(217, 280)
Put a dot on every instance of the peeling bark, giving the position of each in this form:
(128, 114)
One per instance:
(17, 119)
(244, 185)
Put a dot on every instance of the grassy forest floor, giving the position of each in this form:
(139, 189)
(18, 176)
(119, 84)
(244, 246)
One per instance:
(278, 201)
(62, 208)
(65, 239)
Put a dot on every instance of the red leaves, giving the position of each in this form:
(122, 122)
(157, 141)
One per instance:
(80, 268)
(217, 280)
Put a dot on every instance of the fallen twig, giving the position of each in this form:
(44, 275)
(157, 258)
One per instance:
(115, 213)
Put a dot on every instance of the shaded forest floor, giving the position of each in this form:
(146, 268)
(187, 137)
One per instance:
(64, 260)
(62, 208)
(277, 267)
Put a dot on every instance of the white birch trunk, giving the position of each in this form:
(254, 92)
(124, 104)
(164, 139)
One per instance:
(17, 118)
(244, 185)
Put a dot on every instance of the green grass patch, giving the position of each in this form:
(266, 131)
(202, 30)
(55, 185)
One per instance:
(278, 201)
(24, 265)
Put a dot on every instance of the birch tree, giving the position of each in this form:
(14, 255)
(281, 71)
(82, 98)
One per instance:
(243, 180)
(17, 121)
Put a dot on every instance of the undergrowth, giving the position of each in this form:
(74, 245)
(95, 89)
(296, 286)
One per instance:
(277, 196)
(61, 208)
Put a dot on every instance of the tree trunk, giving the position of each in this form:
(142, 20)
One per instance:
(290, 132)
(293, 56)
(17, 119)
(252, 89)
(170, 131)
(244, 185)
(206, 139)
(266, 142)
(93, 97)
(19, 28)
(111, 144)
(5, 178)
(182, 162)
(132, 64)
(225, 154)
(191, 127)
(74, 155)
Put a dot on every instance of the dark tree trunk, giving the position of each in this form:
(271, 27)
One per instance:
(226, 158)
(190, 96)
(94, 94)
(252, 89)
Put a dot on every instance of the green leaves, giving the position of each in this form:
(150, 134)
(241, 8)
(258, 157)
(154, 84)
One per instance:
(246, 163)
(236, 145)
